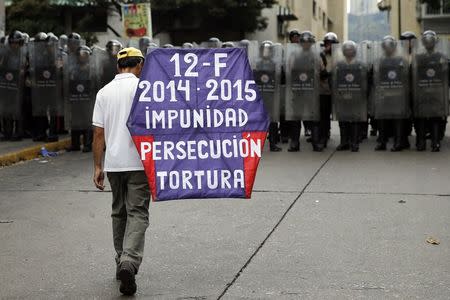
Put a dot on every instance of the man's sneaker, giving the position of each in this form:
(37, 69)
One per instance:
(127, 279)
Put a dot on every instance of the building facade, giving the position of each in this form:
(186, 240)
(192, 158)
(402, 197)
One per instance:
(2, 17)
(318, 16)
(411, 15)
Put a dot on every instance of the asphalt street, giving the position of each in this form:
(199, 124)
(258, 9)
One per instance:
(331, 225)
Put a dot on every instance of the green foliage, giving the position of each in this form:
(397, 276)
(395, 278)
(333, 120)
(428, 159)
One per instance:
(203, 17)
(33, 16)
(211, 16)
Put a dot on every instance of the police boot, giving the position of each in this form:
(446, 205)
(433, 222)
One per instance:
(315, 135)
(382, 139)
(40, 126)
(435, 136)
(344, 145)
(295, 128)
(7, 129)
(363, 131)
(355, 136)
(284, 132)
(399, 136)
(52, 130)
(273, 137)
(75, 141)
(421, 143)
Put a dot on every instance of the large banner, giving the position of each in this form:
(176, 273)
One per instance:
(199, 123)
(137, 20)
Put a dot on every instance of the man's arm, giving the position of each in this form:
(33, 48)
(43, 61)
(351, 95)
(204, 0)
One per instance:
(98, 149)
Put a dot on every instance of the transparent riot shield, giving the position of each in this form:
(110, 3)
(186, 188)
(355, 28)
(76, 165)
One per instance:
(349, 85)
(45, 78)
(267, 74)
(430, 80)
(12, 79)
(105, 66)
(79, 91)
(251, 47)
(390, 99)
(302, 66)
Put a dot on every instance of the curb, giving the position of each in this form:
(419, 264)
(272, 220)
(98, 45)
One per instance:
(32, 152)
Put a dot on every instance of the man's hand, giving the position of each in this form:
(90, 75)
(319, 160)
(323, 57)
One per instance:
(98, 149)
(99, 178)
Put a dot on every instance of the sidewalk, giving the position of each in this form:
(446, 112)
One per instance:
(13, 152)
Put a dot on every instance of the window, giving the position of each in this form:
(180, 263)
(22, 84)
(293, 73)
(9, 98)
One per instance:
(324, 20)
(314, 8)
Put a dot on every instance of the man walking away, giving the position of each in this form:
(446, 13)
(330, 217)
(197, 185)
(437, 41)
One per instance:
(131, 194)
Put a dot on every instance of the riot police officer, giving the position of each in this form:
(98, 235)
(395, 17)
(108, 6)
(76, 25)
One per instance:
(41, 72)
(390, 96)
(108, 62)
(12, 76)
(187, 45)
(409, 37)
(349, 94)
(79, 94)
(303, 65)
(63, 41)
(430, 84)
(228, 45)
(144, 43)
(294, 36)
(214, 42)
(289, 128)
(329, 40)
(267, 74)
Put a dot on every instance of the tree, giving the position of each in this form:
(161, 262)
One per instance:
(209, 17)
(33, 16)
(200, 18)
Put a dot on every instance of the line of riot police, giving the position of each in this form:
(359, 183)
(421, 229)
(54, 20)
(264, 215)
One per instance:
(393, 85)
(48, 84)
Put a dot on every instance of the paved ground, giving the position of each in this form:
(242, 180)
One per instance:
(320, 226)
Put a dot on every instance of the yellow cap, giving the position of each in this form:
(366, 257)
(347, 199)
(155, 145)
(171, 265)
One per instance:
(129, 52)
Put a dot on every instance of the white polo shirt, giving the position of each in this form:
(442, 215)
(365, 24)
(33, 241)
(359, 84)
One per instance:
(111, 111)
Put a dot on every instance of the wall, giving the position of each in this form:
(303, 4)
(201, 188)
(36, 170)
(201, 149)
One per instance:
(409, 20)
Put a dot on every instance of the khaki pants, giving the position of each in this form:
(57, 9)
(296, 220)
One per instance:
(131, 197)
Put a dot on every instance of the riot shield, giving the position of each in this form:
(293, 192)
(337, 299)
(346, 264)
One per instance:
(302, 68)
(45, 78)
(12, 66)
(105, 66)
(430, 80)
(267, 74)
(390, 98)
(79, 91)
(251, 47)
(349, 86)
